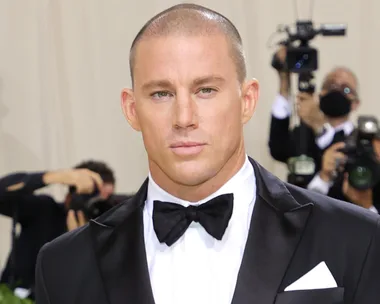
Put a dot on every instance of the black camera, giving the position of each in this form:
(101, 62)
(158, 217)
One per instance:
(301, 58)
(93, 205)
(362, 164)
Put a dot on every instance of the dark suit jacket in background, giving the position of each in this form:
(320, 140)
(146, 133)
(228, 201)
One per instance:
(292, 230)
(337, 193)
(285, 143)
(41, 220)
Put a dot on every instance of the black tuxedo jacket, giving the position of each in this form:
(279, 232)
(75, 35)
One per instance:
(292, 230)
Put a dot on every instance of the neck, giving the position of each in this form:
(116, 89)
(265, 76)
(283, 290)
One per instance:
(205, 189)
(336, 121)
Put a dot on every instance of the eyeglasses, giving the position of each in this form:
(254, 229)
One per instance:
(345, 89)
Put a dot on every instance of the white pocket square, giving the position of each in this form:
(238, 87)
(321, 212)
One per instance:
(319, 277)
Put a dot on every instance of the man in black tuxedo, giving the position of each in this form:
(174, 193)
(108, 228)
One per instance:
(209, 225)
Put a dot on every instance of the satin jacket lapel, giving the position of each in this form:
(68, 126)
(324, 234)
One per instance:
(120, 251)
(277, 224)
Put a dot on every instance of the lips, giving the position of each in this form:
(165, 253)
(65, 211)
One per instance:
(187, 148)
(186, 144)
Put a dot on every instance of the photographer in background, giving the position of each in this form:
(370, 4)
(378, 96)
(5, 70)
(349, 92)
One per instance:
(332, 180)
(41, 218)
(325, 117)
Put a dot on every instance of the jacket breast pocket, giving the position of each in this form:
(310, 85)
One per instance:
(314, 296)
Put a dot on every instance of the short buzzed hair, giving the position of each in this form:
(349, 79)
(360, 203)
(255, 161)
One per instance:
(192, 19)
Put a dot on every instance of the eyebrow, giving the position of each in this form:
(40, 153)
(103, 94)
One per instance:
(207, 79)
(331, 82)
(150, 85)
(166, 84)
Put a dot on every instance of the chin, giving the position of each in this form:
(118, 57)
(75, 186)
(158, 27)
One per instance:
(190, 180)
(192, 174)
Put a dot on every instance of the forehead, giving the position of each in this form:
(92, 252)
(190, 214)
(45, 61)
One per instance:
(344, 78)
(181, 57)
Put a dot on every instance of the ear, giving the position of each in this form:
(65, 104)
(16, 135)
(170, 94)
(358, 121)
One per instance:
(128, 105)
(250, 97)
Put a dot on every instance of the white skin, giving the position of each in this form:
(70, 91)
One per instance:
(191, 109)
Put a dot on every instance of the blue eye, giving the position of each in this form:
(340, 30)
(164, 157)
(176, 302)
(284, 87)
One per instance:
(206, 90)
(160, 94)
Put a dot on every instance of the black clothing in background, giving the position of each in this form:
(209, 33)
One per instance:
(285, 143)
(336, 192)
(41, 218)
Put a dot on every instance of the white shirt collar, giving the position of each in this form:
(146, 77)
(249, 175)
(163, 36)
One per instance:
(347, 127)
(243, 182)
(325, 140)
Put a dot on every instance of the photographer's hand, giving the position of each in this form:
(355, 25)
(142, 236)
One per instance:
(84, 180)
(309, 112)
(72, 222)
(361, 198)
(329, 161)
(283, 75)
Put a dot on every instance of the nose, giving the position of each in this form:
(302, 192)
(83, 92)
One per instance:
(185, 113)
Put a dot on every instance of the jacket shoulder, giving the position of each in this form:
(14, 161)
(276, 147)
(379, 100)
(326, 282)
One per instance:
(80, 239)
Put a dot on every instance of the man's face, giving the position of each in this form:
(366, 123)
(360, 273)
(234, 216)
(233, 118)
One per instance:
(189, 105)
(346, 83)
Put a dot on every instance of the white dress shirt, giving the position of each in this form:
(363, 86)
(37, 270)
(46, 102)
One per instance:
(281, 108)
(198, 268)
(326, 139)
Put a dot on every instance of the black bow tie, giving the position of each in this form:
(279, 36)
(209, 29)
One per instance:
(171, 220)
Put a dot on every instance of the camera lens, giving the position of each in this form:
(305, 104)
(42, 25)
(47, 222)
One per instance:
(361, 177)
